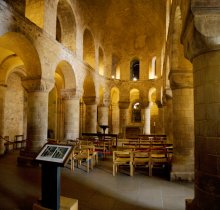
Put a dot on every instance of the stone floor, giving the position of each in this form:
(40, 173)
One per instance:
(20, 187)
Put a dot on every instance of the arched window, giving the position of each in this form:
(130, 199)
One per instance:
(154, 66)
(136, 112)
(153, 72)
(115, 67)
(134, 67)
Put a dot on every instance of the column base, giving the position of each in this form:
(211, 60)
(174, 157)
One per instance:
(190, 205)
(65, 204)
(182, 176)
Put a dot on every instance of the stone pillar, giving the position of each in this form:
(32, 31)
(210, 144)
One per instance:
(71, 113)
(103, 116)
(201, 39)
(123, 106)
(183, 125)
(115, 118)
(168, 115)
(37, 116)
(91, 114)
(2, 108)
(146, 113)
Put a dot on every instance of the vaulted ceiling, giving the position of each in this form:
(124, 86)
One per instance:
(127, 27)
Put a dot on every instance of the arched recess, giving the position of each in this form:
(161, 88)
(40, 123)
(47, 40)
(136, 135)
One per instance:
(101, 61)
(19, 61)
(178, 60)
(88, 48)
(89, 87)
(14, 117)
(114, 111)
(89, 123)
(34, 11)
(154, 111)
(134, 69)
(135, 106)
(64, 80)
(66, 25)
(22, 47)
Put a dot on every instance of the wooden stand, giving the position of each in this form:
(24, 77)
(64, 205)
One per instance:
(50, 186)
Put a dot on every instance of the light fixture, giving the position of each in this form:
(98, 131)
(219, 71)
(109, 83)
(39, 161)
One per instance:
(134, 79)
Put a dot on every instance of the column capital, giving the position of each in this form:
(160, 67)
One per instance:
(68, 94)
(38, 85)
(180, 79)
(3, 86)
(145, 104)
(167, 95)
(90, 100)
(201, 30)
(124, 104)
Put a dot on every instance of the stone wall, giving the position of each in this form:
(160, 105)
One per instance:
(15, 114)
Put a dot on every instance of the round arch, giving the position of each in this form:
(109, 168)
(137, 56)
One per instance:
(65, 69)
(114, 95)
(88, 48)
(22, 47)
(89, 87)
(152, 94)
(66, 25)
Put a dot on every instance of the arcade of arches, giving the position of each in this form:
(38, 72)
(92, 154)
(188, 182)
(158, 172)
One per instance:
(69, 66)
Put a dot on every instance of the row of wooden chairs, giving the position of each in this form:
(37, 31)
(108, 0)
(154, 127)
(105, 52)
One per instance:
(149, 158)
(18, 142)
(83, 153)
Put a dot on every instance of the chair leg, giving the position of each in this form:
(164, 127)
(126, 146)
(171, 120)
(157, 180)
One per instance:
(150, 169)
(131, 170)
(114, 169)
(71, 164)
(92, 163)
(87, 165)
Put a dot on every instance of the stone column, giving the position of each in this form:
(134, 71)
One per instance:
(103, 116)
(168, 115)
(115, 119)
(183, 125)
(2, 107)
(91, 114)
(71, 113)
(146, 113)
(123, 106)
(201, 39)
(37, 116)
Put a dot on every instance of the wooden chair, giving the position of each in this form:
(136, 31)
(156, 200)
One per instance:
(82, 155)
(92, 152)
(19, 140)
(7, 143)
(158, 158)
(122, 158)
(142, 158)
